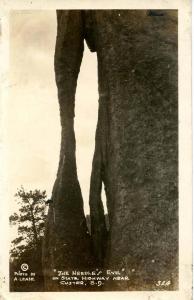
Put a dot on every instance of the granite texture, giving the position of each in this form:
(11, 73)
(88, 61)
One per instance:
(136, 147)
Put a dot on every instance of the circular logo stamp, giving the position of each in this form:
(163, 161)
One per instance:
(24, 267)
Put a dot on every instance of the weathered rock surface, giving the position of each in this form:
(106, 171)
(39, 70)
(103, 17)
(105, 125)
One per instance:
(136, 152)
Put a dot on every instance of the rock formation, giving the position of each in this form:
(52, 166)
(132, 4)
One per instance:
(136, 148)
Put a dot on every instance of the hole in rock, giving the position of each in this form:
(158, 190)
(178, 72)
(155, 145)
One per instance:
(86, 114)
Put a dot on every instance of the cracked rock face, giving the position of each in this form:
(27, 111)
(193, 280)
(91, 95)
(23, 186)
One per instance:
(136, 148)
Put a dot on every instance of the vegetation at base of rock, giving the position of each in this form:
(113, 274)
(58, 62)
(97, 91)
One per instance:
(27, 246)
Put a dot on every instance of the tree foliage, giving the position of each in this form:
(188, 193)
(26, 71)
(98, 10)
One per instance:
(29, 220)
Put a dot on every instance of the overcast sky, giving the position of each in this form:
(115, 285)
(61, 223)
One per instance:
(33, 126)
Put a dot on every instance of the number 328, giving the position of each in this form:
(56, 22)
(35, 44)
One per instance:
(163, 283)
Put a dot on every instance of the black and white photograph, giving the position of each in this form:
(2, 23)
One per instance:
(96, 118)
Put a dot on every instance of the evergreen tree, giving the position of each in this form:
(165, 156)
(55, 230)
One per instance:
(30, 220)
(27, 246)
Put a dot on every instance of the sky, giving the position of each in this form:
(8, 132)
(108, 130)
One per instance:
(33, 125)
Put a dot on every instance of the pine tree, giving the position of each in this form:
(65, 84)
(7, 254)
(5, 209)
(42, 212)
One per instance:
(30, 220)
(27, 246)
